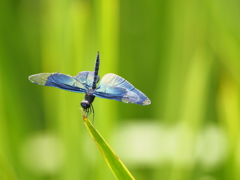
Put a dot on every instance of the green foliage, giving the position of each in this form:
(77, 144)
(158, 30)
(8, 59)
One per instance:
(184, 55)
(114, 163)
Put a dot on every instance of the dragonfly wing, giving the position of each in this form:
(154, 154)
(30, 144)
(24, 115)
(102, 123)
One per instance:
(86, 78)
(58, 80)
(115, 87)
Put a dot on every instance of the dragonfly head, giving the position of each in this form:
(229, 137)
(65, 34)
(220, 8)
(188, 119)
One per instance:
(87, 107)
(85, 104)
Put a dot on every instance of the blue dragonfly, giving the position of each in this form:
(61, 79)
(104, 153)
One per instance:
(111, 86)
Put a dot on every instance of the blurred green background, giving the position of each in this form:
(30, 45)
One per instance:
(184, 55)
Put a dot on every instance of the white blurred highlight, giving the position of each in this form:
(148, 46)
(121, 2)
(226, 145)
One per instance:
(148, 143)
(42, 153)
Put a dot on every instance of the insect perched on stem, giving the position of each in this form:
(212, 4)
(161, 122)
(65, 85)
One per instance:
(111, 86)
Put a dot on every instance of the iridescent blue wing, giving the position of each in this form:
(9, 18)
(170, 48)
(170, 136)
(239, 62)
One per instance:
(86, 78)
(79, 83)
(115, 87)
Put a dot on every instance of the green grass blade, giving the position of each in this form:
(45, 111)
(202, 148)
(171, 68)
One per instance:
(115, 164)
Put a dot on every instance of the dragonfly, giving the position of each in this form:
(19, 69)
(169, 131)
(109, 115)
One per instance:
(111, 86)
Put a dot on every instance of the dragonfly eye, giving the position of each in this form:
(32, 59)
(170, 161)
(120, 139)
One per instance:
(85, 104)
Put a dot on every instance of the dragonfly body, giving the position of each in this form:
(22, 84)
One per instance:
(111, 86)
(89, 98)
